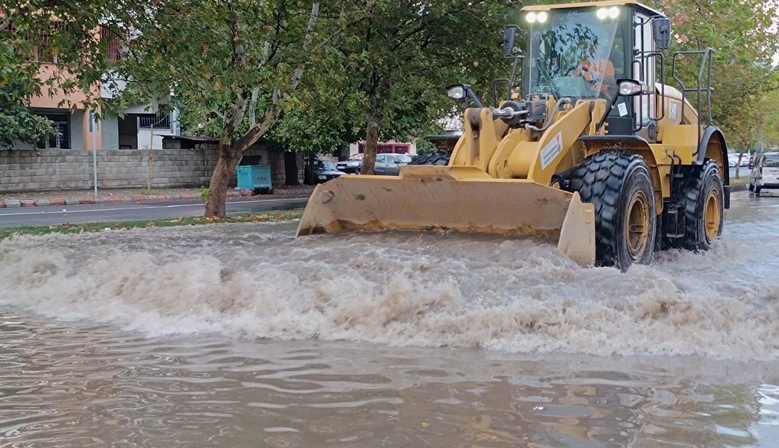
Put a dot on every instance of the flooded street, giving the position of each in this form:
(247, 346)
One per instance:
(242, 336)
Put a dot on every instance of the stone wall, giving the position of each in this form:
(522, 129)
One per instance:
(55, 169)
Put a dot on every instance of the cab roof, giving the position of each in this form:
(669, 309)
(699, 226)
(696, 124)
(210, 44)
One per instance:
(642, 8)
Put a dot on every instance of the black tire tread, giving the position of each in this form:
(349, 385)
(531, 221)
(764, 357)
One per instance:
(440, 158)
(692, 190)
(599, 179)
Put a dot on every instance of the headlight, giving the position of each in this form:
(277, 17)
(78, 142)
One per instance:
(456, 92)
(630, 87)
(612, 12)
(531, 17)
(542, 16)
(322, 177)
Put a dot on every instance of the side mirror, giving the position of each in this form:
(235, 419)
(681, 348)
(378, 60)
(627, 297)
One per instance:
(661, 32)
(509, 40)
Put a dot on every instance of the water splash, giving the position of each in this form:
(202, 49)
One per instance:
(516, 295)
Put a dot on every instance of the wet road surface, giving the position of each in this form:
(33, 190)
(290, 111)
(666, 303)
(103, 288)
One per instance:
(79, 214)
(241, 336)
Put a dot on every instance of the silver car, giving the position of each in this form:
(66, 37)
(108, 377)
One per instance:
(389, 164)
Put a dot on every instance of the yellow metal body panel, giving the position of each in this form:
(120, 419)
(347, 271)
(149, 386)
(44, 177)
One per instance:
(480, 139)
(567, 129)
(452, 198)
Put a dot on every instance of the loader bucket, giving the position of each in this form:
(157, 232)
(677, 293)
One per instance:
(464, 199)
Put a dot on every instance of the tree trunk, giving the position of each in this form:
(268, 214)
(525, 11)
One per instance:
(217, 189)
(290, 168)
(371, 146)
(738, 164)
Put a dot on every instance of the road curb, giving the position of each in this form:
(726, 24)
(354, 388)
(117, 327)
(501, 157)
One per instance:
(738, 188)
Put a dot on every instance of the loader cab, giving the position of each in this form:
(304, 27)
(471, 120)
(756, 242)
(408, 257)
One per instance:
(580, 51)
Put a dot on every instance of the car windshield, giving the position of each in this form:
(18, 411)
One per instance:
(570, 55)
(326, 165)
(771, 161)
(403, 158)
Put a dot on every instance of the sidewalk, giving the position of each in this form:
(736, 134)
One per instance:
(72, 197)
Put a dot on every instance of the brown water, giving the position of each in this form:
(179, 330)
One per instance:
(242, 336)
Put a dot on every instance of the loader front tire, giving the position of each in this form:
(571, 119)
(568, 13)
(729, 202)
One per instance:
(703, 206)
(619, 185)
(440, 158)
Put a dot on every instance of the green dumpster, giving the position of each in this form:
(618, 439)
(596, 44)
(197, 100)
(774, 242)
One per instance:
(254, 177)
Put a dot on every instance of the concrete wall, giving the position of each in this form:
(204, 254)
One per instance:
(54, 169)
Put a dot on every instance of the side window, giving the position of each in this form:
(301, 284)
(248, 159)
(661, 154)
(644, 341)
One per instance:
(392, 160)
(381, 158)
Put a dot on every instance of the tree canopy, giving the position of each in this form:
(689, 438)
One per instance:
(744, 35)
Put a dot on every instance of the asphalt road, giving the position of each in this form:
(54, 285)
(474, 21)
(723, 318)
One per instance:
(74, 214)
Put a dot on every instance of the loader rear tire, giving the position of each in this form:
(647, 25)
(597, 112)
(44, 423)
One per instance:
(440, 158)
(703, 206)
(619, 185)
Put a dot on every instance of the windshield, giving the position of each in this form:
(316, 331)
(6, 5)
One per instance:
(326, 165)
(571, 55)
(771, 161)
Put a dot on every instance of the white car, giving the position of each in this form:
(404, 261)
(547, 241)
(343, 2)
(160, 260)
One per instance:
(732, 160)
(765, 174)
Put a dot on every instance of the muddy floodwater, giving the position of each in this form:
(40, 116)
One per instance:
(241, 336)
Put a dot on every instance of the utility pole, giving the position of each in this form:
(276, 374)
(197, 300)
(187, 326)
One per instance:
(93, 127)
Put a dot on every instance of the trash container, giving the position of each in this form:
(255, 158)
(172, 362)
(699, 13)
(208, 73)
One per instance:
(254, 177)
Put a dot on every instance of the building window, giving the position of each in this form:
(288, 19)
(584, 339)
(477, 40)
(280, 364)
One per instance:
(158, 121)
(114, 46)
(385, 148)
(62, 139)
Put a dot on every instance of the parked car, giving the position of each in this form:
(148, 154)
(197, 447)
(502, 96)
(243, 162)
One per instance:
(325, 170)
(732, 160)
(351, 166)
(389, 164)
(765, 173)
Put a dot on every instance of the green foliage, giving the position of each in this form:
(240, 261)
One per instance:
(744, 35)
(204, 194)
(17, 86)
(390, 61)
(424, 145)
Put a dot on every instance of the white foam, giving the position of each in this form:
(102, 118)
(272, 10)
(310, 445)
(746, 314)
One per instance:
(400, 289)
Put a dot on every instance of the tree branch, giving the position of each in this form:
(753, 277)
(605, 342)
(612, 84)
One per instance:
(10, 19)
(269, 117)
(252, 104)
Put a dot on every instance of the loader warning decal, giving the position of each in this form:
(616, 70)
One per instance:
(673, 111)
(551, 150)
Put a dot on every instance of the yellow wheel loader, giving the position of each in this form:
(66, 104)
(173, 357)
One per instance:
(591, 147)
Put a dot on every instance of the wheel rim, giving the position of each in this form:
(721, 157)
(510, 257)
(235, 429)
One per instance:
(712, 216)
(637, 225)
